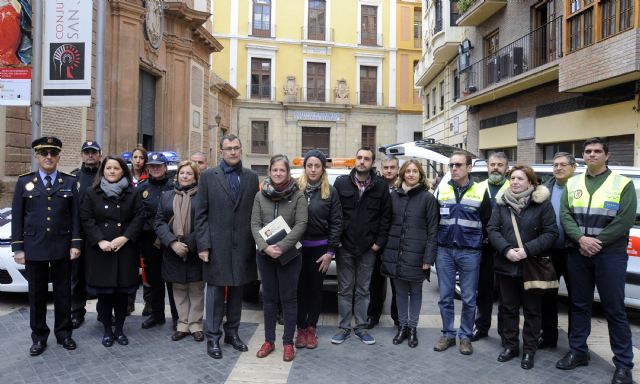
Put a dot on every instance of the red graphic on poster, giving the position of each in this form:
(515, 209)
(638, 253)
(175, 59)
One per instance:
(10, 32)
(66, 60)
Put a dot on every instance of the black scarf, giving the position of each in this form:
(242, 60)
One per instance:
(232, 173)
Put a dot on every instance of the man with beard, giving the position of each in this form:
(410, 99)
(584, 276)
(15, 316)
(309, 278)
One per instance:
(390, 166)
(497, 165)
(91, 153)
(223, 208)
(366, 212)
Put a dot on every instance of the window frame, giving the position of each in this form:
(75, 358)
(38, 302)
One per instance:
(262, 32)
(262, 148)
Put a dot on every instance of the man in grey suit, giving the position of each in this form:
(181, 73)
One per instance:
(223, 224)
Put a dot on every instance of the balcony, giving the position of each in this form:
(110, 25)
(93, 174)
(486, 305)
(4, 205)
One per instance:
(529, 61)
(369, 38)
(480, 11)
(369, 98)
(444, 47)
(260, 92)
(317, 33)
(261, 29)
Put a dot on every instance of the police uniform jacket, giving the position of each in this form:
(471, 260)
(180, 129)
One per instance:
(45, 223)
(151, 190)
(105, 218)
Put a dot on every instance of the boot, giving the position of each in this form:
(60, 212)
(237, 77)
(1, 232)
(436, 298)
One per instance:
(402, 334)
(413, 337)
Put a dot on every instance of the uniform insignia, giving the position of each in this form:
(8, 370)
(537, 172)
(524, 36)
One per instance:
(50, 140)
(155, 157)
(35, 179)
(577, 194)
(29, 186)
(78, 185)
(145, 194)
(60, 180)
(89, 142)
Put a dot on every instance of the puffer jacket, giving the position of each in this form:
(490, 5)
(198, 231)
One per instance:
(538, 230)
(413, 234)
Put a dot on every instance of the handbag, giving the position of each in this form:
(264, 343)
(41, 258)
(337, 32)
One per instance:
(538, 273)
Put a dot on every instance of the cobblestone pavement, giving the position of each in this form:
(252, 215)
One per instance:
(151, 357)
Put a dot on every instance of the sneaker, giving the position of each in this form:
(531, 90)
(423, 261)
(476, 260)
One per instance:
(365, 337)
(312, 338)
(340, 336)
(301, 338)
(444, 343)
(288, 352)
(465, 347)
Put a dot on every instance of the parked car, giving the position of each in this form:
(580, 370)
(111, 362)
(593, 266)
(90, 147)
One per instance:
(428, 151)
(12, 274)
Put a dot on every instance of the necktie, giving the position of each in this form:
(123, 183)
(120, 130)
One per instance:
(48, 181)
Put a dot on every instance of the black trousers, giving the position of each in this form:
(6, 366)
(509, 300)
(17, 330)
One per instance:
(153, 268)
(513, 296)
(217, 305)
(116, 302)
(310, 287)
(486, 292)
(279, 282)
(550, 300)
(378, 293)
(38, 277)
(78, 287)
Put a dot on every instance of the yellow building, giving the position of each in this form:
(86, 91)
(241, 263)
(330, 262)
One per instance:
(409, 44)
(310, 73)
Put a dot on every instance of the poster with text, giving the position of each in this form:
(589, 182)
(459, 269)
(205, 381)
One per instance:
(66, 61)
(15, 52)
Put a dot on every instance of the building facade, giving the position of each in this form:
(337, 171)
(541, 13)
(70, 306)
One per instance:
(158, 89)
(310, 74)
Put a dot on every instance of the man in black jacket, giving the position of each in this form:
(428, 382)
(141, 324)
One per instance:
(91, 153)
(366, 211)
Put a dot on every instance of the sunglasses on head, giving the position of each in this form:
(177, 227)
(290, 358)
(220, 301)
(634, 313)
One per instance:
(46, 152)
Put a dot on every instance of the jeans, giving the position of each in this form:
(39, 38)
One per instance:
(606, 271)
(354, 273)
(467, 263)
(409, 302)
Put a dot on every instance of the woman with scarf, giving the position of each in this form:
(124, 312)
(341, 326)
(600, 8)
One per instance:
(181, 264)
(411, 248)
(528, 203)
(112, 218)
(319, 243)
(278, 259)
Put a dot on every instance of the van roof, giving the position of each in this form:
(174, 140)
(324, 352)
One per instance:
(423, 149)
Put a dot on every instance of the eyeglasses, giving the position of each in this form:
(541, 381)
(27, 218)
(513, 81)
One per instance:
(47, 152)
(561, 165)
(232, 149)
(456, 165)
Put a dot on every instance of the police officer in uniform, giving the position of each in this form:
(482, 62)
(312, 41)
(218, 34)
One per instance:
(151, 189)
(597, 211)
(45, 236)
(91, 154)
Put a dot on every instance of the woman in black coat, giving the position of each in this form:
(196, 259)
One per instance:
(112, 218)
(174, 225)
(411, 248)
(536, 221)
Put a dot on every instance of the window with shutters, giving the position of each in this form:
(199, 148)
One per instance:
(368, 85)
(260, 78)
(261, 18)
(317, 19)
(316, 81)
(368, 137)
(369, 25)
(260, 137)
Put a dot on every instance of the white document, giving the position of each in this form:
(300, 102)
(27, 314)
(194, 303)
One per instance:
(274, 227)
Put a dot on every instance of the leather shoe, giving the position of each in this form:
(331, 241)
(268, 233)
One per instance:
(76, 321)
(507, 355)
(122, 340)
(68, 343)
(146, 310)
(198, 336)
(572, 361)
(214, 350)
(622, 376)
(371, 323)
(107, 340)
(527, 361)
(177, 335)
(236, 343)
(477, 335)
(403, 333)
(544, 342)
(413, 337)
(37, 348)
(152, 322)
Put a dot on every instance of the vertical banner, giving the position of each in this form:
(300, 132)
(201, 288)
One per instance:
(66, 54)
(15, 52)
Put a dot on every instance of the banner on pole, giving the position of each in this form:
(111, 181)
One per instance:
(15, 52)
(66, 61)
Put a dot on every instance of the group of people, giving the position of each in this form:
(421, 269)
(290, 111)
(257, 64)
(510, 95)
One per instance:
(204, 232)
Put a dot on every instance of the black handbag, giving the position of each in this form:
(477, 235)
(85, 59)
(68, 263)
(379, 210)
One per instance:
(538, 273)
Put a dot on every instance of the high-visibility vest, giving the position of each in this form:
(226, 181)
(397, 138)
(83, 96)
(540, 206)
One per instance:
(460, 224)
(594, 212)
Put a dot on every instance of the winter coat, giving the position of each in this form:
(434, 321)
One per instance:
(174, 268)
(538, 230)
(150, 190)
(293, 210)
(222, 226)
(104, 218)
(413, 234)
(325, 218)
(366, 218)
